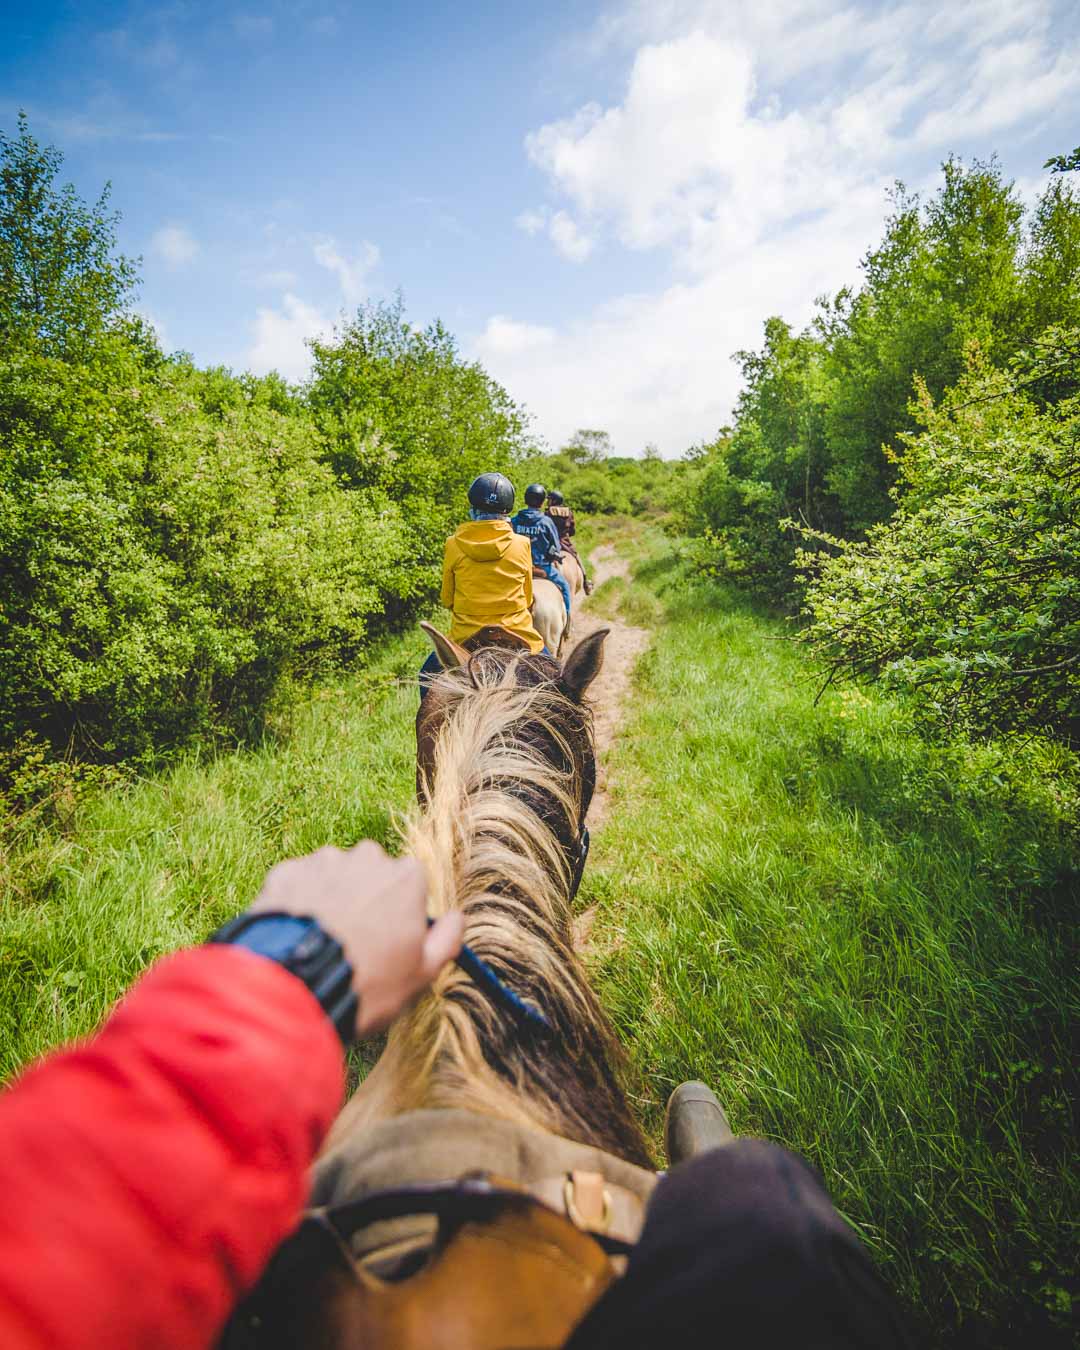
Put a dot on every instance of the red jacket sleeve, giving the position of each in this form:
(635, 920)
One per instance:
(147, 1175)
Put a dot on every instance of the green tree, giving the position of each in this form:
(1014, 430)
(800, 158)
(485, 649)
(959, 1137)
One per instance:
(406, 420)
(944, 273)
(969, 597)
(1051, 265)
(588, 446)
(62, 283)
(1069, 163)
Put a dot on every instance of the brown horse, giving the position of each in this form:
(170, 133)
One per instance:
(505, 773)
(469, 1186)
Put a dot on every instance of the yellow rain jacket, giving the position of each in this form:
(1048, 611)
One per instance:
(487, 578)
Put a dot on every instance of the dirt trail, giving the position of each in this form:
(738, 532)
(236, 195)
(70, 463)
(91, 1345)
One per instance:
(609, 692)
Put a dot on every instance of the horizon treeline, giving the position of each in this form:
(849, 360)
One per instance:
(905, 472)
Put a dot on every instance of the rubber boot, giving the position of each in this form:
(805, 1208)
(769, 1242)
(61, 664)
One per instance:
(695, 1121)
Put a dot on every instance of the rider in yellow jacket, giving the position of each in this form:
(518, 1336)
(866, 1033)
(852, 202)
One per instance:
(487, 571)
(487, 578)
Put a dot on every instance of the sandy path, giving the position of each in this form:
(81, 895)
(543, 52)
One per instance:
(609, 691)
(608, 694)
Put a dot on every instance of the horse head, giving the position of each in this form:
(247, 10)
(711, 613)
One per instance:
(494, 658)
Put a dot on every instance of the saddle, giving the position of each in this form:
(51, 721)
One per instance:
(510, 1258)
(502, 1271)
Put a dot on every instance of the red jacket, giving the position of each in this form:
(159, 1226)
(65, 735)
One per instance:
(147, 1175)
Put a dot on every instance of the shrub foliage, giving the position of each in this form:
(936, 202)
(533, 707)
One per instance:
(178, 542)
(969, 597)
(910, 459)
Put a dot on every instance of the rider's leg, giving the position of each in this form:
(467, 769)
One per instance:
(431, 667)
(553, 574)
(742, 1246)
(694, 1122)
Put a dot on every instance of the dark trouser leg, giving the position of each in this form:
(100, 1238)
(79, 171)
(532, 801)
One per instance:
(431, 667)
(743, 1248)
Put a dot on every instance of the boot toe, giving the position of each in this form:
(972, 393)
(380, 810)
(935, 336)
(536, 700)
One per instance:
(695, 1122)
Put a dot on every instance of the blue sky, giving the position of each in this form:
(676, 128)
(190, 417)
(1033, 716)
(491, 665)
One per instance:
(602, 201)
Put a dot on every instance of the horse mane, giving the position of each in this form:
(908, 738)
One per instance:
(501, 811)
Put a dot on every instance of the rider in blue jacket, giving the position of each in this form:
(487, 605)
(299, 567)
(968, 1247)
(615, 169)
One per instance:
(543, 536)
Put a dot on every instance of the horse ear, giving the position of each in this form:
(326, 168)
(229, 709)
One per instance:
(446, 649)
(583, 664)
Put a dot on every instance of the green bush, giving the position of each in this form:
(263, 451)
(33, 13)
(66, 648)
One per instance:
(823, 414)
(177, 545)
(738, 537)
(969, 597)
(595, 481)
(166, 567)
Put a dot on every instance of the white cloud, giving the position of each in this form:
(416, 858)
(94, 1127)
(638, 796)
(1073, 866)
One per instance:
(568, 238)
(280, 336)
(506, 337)
(532, 222)
(280, 279)
(561, 228)
(750, 151)
(352, 274)
(174, 245)
(657, 367)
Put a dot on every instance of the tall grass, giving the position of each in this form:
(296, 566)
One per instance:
(91, 896)
(863, 943)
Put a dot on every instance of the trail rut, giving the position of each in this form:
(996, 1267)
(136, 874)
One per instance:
(608, 694)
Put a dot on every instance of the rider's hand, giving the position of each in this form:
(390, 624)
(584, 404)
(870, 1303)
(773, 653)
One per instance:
(376, 907)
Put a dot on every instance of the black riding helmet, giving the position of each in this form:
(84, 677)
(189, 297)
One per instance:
(492, 493)
(555, 497)
(535, 494)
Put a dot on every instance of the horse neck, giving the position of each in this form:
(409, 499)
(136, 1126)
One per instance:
(490, 852)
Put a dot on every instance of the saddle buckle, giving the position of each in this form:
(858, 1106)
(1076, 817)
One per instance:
(587, 1201)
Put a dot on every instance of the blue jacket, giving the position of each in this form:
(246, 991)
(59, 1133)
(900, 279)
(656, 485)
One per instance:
(541, 533)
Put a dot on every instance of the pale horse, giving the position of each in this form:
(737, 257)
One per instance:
(550, 618)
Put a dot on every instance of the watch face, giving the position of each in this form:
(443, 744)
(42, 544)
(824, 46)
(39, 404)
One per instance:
(275, 935)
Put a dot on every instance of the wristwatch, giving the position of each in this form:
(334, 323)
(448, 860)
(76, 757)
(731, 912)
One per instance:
(297, 942)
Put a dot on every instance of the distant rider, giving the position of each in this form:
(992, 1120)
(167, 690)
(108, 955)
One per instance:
(562, 517)
(487, 571)
(544, 538)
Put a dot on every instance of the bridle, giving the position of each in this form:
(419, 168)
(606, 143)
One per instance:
(582, 858)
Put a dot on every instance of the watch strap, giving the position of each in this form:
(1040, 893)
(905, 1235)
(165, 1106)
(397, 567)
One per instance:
(303, 947)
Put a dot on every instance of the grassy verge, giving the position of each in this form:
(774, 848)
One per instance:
(91, 897)
(861, 942)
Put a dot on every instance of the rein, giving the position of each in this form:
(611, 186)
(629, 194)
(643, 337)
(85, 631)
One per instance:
(482, 974)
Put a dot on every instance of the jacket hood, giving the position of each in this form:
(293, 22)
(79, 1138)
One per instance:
(484, 540)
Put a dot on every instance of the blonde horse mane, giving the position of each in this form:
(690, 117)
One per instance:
(506, 792)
